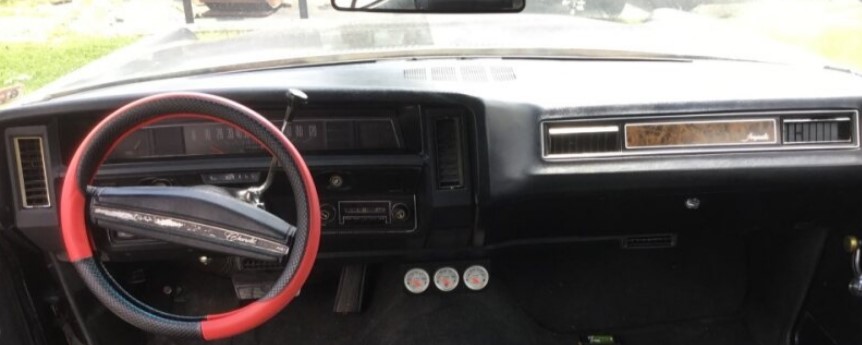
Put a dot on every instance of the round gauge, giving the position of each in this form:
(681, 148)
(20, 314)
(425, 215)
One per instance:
(446, 279)
(417, 280)
(476, 277)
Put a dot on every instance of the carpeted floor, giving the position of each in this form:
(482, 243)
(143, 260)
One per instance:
(497, 315)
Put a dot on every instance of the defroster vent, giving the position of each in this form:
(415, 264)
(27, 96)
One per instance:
(32, 175)
(450, 163)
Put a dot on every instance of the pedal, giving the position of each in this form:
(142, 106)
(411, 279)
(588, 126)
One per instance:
(351, 289)
(248, 286)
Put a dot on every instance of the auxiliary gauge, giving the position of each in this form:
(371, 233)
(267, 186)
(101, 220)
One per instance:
(417, 280)
(476, 277)
(446, 279)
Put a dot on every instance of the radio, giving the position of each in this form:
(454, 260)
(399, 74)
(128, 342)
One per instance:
(389, 214)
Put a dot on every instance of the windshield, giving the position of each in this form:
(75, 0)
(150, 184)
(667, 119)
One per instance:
(44, 40)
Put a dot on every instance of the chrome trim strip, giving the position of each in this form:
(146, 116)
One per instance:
(644, 124)
(20, 169)
(796, 143)
(583, 130)
(834, 119)
(618, 154)
(193, 229)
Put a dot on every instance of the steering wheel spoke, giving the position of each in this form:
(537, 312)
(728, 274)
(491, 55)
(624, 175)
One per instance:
(202, 218)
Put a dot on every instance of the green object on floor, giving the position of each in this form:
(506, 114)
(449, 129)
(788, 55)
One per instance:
(603, 339)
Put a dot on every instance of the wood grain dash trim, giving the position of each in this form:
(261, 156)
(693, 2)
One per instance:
(657, 135)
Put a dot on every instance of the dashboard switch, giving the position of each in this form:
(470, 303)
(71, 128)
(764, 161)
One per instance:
(400, 212)
(327, 213)
(336, 181)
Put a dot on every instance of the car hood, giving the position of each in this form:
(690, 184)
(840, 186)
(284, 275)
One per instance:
(667, 35)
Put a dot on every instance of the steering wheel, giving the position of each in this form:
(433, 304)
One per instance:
(196, 217)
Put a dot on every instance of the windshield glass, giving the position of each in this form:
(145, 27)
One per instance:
(44, 40)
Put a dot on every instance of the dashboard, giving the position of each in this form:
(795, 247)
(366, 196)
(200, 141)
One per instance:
(408, 165)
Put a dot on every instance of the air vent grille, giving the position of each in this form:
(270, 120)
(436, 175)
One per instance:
(468, 73)
(503, 73)
(580, 140)
(474, 73)
(32, 175)
(443, 74)
(415, 74)
(818, 130)
(259, 265)
(450, 169)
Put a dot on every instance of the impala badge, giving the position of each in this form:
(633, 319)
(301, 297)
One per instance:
(753, 138)
(234, 237)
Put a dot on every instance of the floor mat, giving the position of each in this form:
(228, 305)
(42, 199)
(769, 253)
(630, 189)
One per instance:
(574, 288)
(394, 316)
(728, 331)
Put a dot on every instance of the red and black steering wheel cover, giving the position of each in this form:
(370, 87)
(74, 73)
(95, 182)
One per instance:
(121, 123)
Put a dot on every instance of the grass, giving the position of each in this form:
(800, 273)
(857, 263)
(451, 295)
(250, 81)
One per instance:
(829, 29)
(16, 7)
(38, 63)
(839, 44)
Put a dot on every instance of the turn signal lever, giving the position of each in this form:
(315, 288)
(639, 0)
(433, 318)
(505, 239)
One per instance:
(851, 245)
(252, 195)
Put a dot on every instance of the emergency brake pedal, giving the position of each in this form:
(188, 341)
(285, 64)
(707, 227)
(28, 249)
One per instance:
(351, 289)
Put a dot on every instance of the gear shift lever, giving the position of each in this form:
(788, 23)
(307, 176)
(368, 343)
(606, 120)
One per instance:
(252, 195)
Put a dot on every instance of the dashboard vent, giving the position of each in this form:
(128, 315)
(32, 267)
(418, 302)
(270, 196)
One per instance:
(829, 129)
(503, 73)
(32, 175)
(259, 265)
(474, 73)
(450, 169)
(443, 74)
(468, 73)
(568, 139)
(415, 74)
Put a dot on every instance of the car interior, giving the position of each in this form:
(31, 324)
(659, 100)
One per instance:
(444, 200)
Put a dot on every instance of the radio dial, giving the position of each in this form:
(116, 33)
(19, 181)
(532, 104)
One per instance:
(327, 213)
(400, 212)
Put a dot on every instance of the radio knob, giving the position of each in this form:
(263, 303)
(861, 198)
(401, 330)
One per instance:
(400, 212)
(336, 181)
(327, 213)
